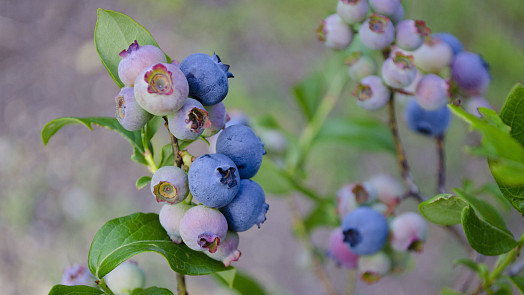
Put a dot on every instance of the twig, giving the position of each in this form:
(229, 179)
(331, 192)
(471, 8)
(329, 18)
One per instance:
(177, 159)
(441, 183)
(303, 237)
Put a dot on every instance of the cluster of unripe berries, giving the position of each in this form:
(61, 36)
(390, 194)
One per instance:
(223, 199)
(372, 238)
(432, 68)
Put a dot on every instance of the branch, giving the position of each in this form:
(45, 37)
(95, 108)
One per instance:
(441, 183)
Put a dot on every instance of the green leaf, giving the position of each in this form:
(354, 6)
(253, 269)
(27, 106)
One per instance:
(74, 290)
(324, 214)
(142, 182)
(226, 277)
(494, 190)
(510, 172)
(308, 94)
(166, 157)
(491, 117)
(122, 238)
(485, 210)
(483, 237)
(243, 284)
(114, 32)
(272, 179)
(444, 209)
(511, 113)
(481, 269)
(152, 127)
(519, 282)
(449, 291)
(364, 133)
(151, 291)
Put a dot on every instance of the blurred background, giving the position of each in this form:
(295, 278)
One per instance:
(53, 199)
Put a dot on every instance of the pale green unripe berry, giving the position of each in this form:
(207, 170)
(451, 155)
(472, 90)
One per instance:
(125, 278)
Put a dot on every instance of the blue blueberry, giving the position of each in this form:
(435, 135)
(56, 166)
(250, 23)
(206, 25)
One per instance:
(430, 123)
(471, 73)
(207, 77)
(248, 208)
(213, 180)
(365, 230)
(240, 143)
(451, 40)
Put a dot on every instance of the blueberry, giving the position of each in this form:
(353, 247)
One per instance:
(409, 231)
(218, 117)
(474, 103)
(471, 73)
(248, 208)
(432, 92)
(213, 180)
(410, 34)
(240, 143)
(170, 217)
(398, 15)
(125, 278)
(190, 121)
(78, 274)
(388, 188)
(207, 77)
(334, 33)
(169, 184)
(371, 93)
(372, 268)
(130, 115)
(161, 89)
(360, 66)
(227, 251)
(451, 40)
(350, 196)
(385, 7)
(339, 251)
(433, 55)
(352, 11)
(429, 123)
(137, 58)
(377, 32)
(399, 71)
(203, 228)
(365, 230)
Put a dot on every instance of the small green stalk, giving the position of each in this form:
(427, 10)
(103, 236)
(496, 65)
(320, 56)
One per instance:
(507, 260)
(104, 287)
(151, 165)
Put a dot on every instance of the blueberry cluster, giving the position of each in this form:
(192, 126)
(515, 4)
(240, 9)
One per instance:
(373, 238)
(430, 69)
(210, 198)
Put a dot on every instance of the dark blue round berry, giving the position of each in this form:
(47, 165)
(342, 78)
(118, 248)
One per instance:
(213, 180)
(429, 123)
(248, 208)
(207, 77)
(240, 143)
(365, 230)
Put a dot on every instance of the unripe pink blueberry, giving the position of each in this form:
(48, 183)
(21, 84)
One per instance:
(161, 89)
(169, 184)
(371, 93)
(125, 278)
(474, 103)
(351, 195)
(360, 66)
(227, 251)
(399, 71)
(218, 117)
(410, 34)
(170, 217)
(135, 59)
(432, 92)
(339, 251)
(203, 228)
(377, 32)
(189, 122)
(409, 231)
(385, 7)
(388, 188)
(352, 11)
(471, 73)
(130, 115)
(334, 33)
(433, 55)
(373, 267)
(78, 274)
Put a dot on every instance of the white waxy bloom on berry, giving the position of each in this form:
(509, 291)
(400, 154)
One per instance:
(335, 33)
(371, 93)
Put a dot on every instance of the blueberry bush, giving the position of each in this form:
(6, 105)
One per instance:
(392, 63)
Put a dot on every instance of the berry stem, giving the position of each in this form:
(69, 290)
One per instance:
(104, 287)
(441, 183)
(401, 154)
(177, 159)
